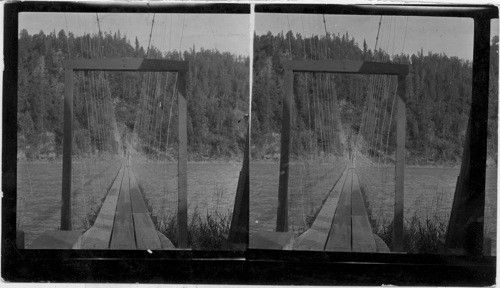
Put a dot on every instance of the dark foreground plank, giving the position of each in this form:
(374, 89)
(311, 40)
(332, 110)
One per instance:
(339, 238)
(123, 230)
(99, 235)
(362, 235)
(145, 231)
(315, 237)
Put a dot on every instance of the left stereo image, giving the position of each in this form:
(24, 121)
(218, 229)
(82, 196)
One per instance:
(133, 130)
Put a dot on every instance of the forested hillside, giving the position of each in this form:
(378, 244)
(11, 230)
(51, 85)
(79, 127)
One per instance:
(218, 88)
(438, 96)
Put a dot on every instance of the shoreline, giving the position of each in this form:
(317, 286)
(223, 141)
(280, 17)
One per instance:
(215, 161)
(413, 166)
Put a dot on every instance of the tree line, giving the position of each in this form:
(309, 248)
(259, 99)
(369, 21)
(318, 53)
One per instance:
(438, 93)
(217, 98)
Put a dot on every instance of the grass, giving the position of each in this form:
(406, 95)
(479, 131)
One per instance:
(419, 236)
(205, 231)
(92, 209)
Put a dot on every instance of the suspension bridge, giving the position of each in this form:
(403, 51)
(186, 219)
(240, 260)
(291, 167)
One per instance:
(310, 107)
(104, 131)
(342, 222)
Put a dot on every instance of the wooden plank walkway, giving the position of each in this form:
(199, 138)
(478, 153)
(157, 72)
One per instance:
(342, 224)
(124, 223)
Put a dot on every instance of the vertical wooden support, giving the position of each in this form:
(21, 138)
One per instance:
(67, 150)
(182, 213)
(282, 219)
(238, 232)
(397, 237)
(466, 226)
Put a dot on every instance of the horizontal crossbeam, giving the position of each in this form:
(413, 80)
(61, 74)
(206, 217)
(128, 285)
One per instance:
(346, 66)
(127, 64)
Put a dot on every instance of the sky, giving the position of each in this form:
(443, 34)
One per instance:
(224, 32)
(453, 36)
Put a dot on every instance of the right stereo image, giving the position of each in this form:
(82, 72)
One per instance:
(374, 131)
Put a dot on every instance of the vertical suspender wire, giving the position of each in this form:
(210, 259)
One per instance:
(317, 126)
(146, 111)
(163, 104)
(375, 105)
(150, 100)
(151, 89)
(317, 114)
(329, 93)
(92, 117)
(392, 82)
(394, 99)
(313, 118)
(141, 115)
(99, 87)
(322, 102)
(176, 77)
(332, 93)
(94, 101)
(308, 127)
(318, 105)
(382, 93)
(384, 97)
(95, 92)
(307, 92)
(385, 91)
(367, 106)
(90, 114)
(90, 75)
(313, 76)
(156, 110)
(87, 103)
(324, 107)
(99, 114)
(321, 97)
(92, 134)
(157, 98)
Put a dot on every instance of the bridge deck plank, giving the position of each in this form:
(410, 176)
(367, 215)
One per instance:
(99, 235)
(362, 235)
(145, 231)
(339, 238)
(123, 236)
(315, 238)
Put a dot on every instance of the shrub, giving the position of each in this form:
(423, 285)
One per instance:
(422, 237)
(204, 232)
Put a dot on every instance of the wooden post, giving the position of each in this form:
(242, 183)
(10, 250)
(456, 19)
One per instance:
(397, 236)
(238, 232)
(67, 150)
(466, 226)
(182, 213)
(282, 219)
